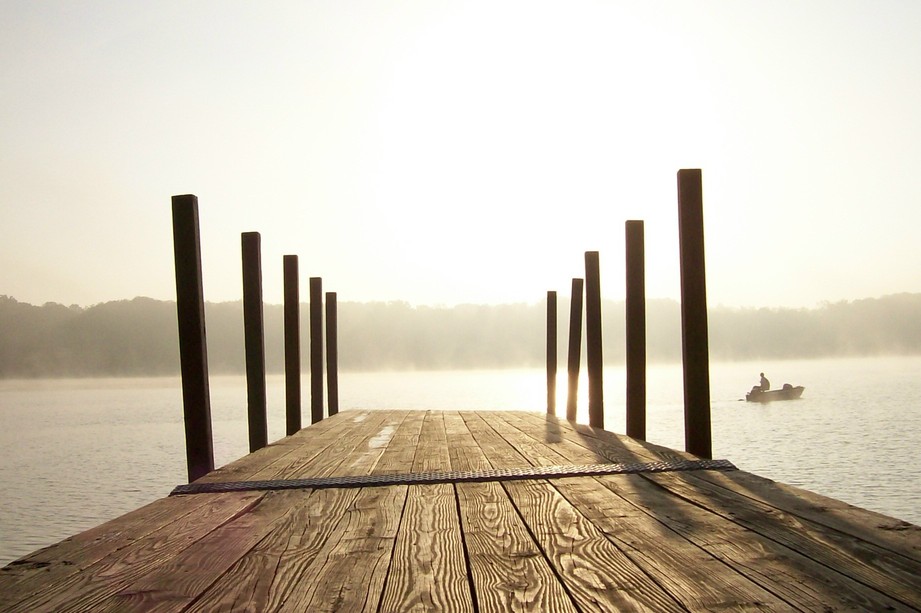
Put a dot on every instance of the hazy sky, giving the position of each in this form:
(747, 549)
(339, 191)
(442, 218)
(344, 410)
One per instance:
(451, 152)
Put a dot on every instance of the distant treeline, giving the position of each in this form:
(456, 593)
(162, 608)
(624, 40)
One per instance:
(139, 337)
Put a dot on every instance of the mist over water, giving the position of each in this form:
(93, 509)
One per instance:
(75, 453)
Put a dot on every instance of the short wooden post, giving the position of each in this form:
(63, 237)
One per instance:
(636, 330)
(551, 352)
(332, 354)
(694, 335)
(316, 349)
(254, 340)
(593, 353)
(292, 345)
(193, 348)
(575, 348)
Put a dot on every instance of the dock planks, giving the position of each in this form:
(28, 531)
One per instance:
(668, 541)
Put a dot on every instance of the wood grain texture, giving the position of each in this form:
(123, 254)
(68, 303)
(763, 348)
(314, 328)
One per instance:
(596, 573)
(49, 565)
(695, 541)
(789, 574)
(694, 577)
(179, 580)
(428, 571)
(508, 570)
(121, 567)
(895, 535)
(432, 453)
(348, 573)
(898, 577)
(278, 565)
(278, 458)
(401, 448)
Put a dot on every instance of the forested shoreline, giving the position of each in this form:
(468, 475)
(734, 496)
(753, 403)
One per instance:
(138, 337)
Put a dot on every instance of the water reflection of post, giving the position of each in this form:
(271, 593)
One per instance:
(193, 350)
(636, 330)
(254, 340)
(694, 343)
(575, 349)
(292, 345)
(551, 352)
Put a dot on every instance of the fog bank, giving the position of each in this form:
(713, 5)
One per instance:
(139, 337)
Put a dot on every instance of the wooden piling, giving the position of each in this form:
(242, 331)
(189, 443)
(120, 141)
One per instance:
(694, 343)
(254, 340)
(332, 354)
(636, 330)
(193, 348)
(316, 349)
(292, 345)
(575, 348)
(551, 352)
(593, 355)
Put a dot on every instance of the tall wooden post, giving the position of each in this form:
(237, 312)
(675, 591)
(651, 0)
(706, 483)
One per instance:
(254, 340)
(694, 335)
(551, 352)
(593, 353)
(575, 348)
(332, 354)
(193, 349)
(636, 330)
(292, 345)
(316, 349)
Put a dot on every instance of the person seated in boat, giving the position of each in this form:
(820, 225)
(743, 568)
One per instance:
(765, 384)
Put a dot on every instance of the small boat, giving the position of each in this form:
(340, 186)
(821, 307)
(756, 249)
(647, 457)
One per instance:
(787, 392)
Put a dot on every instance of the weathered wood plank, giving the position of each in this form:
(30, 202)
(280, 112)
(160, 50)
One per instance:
(432, 453)
(276, 459)
(538, 452)
(464, 451)
(497, 450)
(274, 569)
(508, 570)
(428, 571)
(607, 446)
(694, 577)
(353, 452)
(400, 450)
(51, 564)
(770, 508)
(885, 532)
(118, 569)
(597, 574)
(175, 582)
(348, 573)
(720, 586)
(859, 560)
(782, 571)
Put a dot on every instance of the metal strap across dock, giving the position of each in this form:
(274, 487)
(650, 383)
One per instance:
(491, 474)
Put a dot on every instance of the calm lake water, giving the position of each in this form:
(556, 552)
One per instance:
(75, 453)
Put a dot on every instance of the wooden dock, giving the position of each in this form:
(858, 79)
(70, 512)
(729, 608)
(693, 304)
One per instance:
(474, 511)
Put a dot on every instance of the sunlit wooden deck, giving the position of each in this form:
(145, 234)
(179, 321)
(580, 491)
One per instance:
(697, 539)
